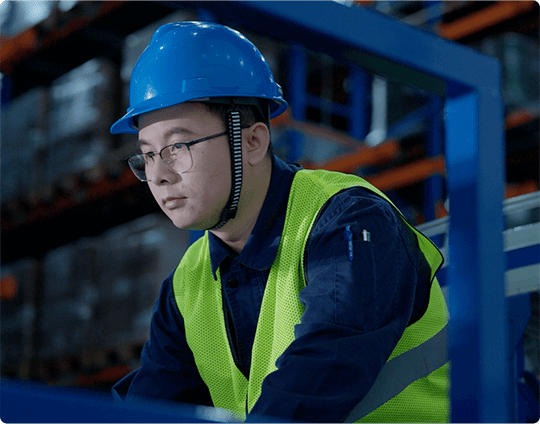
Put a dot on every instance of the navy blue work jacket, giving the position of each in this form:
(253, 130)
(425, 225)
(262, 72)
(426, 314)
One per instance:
(355, 310)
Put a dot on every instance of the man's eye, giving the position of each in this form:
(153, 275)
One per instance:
(148, 155)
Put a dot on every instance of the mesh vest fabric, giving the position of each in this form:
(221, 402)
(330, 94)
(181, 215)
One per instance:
(199, 301)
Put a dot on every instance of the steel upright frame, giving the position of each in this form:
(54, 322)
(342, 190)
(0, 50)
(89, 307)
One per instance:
(470, 85)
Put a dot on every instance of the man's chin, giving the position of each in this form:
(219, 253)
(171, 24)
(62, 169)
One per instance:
(192, 225)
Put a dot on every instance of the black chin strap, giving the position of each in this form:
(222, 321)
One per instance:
(235, 143)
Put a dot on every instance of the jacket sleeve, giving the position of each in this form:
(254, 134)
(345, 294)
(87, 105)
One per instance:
(167, 370)
(356, 310)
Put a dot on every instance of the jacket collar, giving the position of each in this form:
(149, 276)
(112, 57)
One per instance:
(261, 248)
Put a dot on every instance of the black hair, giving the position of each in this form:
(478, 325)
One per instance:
(249, 114)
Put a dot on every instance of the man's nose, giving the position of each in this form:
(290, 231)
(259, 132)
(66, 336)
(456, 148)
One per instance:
(158, 173)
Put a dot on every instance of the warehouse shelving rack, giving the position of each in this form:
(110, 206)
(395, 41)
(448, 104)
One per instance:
(469, 91)
(100, 28)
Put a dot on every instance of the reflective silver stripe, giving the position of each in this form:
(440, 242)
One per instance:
(400, 372)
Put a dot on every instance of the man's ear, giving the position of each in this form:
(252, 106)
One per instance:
(257, 143)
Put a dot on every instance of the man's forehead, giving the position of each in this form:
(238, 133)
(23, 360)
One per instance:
(167, 133)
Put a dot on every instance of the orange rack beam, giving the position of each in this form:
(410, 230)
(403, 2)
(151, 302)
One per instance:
(519, 189)
(16, 48)
(520, 117)
(492, 15)
(360, 157)
(41, 212)
(8, 287)
(408, 174)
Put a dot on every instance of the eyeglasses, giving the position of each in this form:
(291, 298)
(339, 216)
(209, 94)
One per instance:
(177, 157)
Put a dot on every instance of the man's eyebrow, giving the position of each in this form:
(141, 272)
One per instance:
(168, 134)
(143, 143)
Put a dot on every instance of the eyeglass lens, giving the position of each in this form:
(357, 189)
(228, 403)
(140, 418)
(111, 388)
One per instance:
(177, 157)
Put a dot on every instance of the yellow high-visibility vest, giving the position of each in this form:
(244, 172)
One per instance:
(412, 386)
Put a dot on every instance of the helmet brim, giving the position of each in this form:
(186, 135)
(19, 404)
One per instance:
(126, 124)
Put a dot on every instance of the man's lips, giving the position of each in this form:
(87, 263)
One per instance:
(172, 202)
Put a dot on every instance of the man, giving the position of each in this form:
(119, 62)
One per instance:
(309, 297)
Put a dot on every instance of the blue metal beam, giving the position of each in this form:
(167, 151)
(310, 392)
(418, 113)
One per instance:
(335, 28)
(68, 405)
(6, 89)
(475, 279)
(296, 91)
(359, 95)
(434, 186)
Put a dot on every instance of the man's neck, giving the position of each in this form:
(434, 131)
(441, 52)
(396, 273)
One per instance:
(235, 233)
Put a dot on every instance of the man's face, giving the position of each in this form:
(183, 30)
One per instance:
(195, 198)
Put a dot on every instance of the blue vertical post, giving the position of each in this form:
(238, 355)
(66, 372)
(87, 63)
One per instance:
(476, 290)
(6, 89)
(435, 11)
(297, 96)
(297, 81)
(434, 185)
(519, 308)
(358, 116)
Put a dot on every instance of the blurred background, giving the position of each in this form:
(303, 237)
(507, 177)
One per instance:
(84, 245)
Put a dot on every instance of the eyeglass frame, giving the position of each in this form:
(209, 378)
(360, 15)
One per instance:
(187, 144)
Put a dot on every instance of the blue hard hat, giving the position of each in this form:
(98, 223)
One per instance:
(188, 61)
